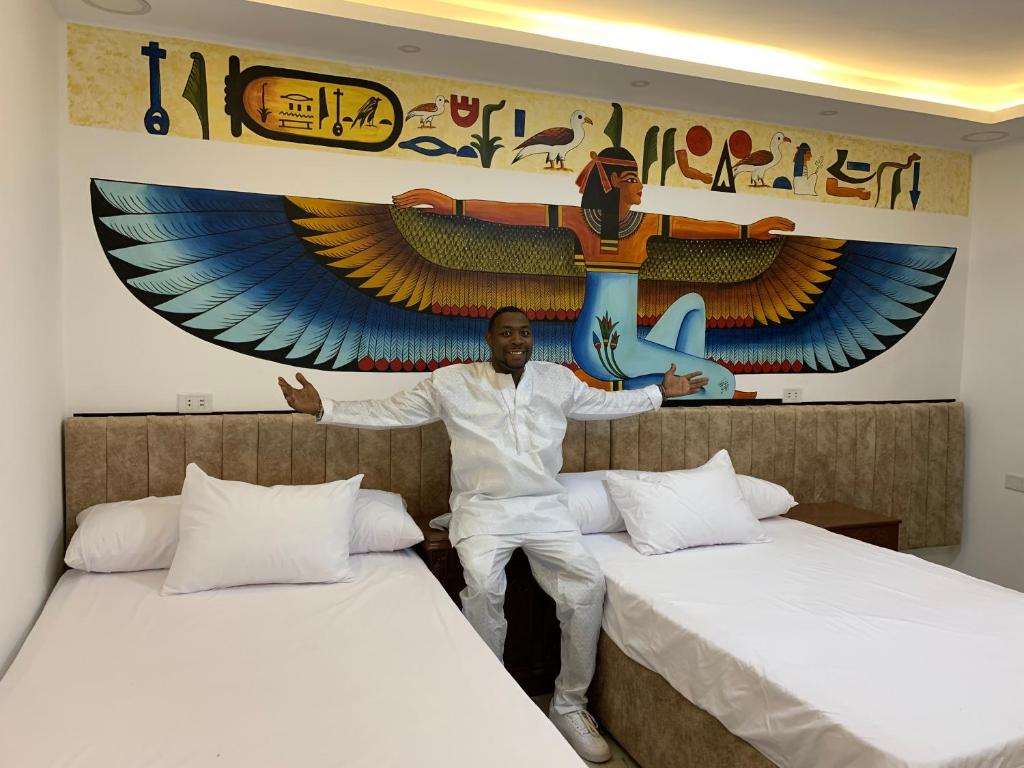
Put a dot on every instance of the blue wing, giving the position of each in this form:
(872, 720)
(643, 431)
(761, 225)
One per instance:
(875, 295)
(237, 270)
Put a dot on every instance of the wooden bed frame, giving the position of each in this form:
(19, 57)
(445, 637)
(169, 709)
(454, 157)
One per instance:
(900, 460)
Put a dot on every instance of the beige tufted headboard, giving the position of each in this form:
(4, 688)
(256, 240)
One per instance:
(903, 460)
(110, 458)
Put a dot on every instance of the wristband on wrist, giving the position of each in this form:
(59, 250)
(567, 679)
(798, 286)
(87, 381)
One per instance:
(743, 231)
(320, 412)
(460, 207)
(661, 388)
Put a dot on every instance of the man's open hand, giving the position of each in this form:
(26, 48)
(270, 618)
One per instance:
(304, 399)
(678, 386)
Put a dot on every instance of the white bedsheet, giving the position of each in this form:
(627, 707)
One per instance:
(378, 672)
(823, 651)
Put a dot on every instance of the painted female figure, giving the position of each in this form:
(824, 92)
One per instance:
(612, 241)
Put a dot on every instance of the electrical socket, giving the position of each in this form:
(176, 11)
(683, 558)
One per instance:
(195, 402)
(1015, 483)
(792, 395)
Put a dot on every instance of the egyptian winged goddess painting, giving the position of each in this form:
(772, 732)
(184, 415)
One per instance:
(615, 293)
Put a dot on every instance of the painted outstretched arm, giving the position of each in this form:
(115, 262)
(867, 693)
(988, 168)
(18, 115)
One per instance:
(686, 228)
(530, 214)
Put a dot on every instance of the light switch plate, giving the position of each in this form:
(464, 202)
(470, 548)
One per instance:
(1015, 483)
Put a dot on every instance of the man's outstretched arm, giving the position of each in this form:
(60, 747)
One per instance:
(411, 408)
(592, 403)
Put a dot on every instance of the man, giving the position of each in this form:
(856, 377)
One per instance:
(506, 419)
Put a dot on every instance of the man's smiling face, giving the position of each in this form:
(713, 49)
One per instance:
(511, 343)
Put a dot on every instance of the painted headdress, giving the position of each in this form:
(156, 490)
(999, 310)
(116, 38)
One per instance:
(601, 200)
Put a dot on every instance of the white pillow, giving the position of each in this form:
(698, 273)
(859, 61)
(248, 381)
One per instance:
(589, 503)
(593, 510)
(142, 535)
(382, 523)
(667, 511)
(766, 499)
(137, 535)
(232, 533)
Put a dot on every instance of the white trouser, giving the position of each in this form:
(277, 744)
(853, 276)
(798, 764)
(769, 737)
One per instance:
(567, 572)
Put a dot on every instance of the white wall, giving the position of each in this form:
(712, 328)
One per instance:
(120, 356)
(117, 355)
(30, 308)
(993, 369)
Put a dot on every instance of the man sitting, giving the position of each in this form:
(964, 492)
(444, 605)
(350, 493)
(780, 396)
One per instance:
(506, 419)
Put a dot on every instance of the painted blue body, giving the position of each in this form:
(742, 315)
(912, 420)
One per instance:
(677, 338)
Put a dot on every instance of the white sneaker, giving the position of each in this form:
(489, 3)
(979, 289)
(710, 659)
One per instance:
(580, 730)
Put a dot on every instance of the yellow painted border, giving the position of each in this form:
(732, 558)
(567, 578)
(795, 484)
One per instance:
(108, 87)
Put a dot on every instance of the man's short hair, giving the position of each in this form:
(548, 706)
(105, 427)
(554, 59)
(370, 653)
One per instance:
(502, 311)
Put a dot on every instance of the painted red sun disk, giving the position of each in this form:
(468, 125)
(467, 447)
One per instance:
(740, 144)
(698, 140)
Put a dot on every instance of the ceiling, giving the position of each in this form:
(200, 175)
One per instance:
(918, 71)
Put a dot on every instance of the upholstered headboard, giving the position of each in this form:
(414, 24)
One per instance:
(110, 458)
(902, 460)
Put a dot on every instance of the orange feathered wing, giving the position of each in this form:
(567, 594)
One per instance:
(790, 275)
(442, 264)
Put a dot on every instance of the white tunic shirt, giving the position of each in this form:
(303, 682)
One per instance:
(506, 441)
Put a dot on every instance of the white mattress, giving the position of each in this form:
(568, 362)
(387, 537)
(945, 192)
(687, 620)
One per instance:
(824, 651)
(379, 672)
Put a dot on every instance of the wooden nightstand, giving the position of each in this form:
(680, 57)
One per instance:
(850, 521)
(532, 651)
(437, 552)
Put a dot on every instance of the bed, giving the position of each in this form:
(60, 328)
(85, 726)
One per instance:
(814, 648)
(901, 460)
(379, 671)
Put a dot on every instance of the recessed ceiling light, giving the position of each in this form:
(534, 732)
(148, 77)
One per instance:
(980, 136)
(409, 48)
(828, 112)
(640, 83)
(128, 7)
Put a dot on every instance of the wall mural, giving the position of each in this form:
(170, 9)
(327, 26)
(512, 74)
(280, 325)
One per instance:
(615, 293)
(174, 87)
